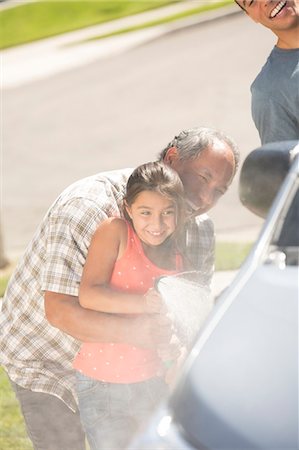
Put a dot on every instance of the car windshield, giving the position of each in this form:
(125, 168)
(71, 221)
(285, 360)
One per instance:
(286, 239)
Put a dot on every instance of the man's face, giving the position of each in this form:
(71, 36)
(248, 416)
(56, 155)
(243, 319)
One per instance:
(277, 15)
(205, 178)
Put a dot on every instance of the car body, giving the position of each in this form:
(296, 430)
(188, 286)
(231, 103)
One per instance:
(238, 389)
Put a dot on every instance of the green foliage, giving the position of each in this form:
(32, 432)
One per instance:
(167, 19)
(230, 255)
(3, 284)
(31, 21)
(12, 429)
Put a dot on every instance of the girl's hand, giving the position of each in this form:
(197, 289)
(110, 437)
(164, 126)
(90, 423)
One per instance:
(169, 352)
(171, 374)
(154, 303)
(174, 369)
(172, 355)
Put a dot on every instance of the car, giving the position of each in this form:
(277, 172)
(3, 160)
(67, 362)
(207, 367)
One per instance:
(238, 387)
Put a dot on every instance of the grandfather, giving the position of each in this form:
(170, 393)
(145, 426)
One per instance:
(42, 322)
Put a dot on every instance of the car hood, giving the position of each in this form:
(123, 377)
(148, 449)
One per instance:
(242, 388)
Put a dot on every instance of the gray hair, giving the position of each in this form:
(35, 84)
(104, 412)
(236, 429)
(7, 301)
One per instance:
(189, 143)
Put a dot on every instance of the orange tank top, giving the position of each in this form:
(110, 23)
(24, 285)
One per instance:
(123, 363)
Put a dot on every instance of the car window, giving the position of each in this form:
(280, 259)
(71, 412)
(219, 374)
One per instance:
(287, 240)
(289, 236)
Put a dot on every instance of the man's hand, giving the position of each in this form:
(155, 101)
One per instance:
(150, 331)
(154, 303)
(145, 330)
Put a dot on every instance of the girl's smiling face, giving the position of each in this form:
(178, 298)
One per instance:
(154, 217)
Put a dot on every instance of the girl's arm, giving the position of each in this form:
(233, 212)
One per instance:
(107, 245)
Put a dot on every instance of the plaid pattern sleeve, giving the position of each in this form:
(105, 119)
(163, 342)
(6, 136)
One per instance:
(200, 247)
(69, 234)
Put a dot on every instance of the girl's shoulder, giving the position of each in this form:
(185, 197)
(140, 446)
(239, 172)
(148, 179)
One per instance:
(111, 228)
(119, 229)
(113, 223)
(111, 233)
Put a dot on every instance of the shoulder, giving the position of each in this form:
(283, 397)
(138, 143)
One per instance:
(113, 226)
(99, 190)
(108, 237)
(281, 67)
(90, 200)
(112, 233)
(200, 232)
(205, 222)
(204, 235)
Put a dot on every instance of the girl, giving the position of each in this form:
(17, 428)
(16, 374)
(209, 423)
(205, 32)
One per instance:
(118, 384)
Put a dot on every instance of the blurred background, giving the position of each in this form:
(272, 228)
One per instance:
(78, 103)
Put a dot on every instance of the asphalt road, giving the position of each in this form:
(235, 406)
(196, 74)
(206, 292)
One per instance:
(122, 110)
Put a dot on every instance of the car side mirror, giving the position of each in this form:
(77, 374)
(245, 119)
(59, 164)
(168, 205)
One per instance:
(262, 174)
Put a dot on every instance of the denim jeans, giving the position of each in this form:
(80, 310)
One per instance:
(50, 424)
(112, 413)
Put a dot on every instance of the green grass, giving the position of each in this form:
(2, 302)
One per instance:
(167, 19)
(230, 255)
(3, 283)
(12, 429)
(13, 435)
(32, 21)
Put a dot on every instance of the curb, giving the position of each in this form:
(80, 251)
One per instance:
(47, 57)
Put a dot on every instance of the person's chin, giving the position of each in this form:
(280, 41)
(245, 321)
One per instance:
(154, 241)
(199, 212)
(194, 210)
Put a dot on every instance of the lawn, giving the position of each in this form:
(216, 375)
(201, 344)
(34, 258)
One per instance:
(41, 19)
(3, 284)
(31, 21)
(12, 430)
(230, 255)
(167, 19)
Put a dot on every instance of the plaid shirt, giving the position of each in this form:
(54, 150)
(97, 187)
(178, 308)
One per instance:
(36, 355)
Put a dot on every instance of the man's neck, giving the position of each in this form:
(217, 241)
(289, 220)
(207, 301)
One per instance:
(288, 39)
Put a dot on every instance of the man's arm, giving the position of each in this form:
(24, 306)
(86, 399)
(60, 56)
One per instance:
(65, 313)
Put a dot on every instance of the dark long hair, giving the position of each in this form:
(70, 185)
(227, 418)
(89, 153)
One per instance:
(161, 178)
